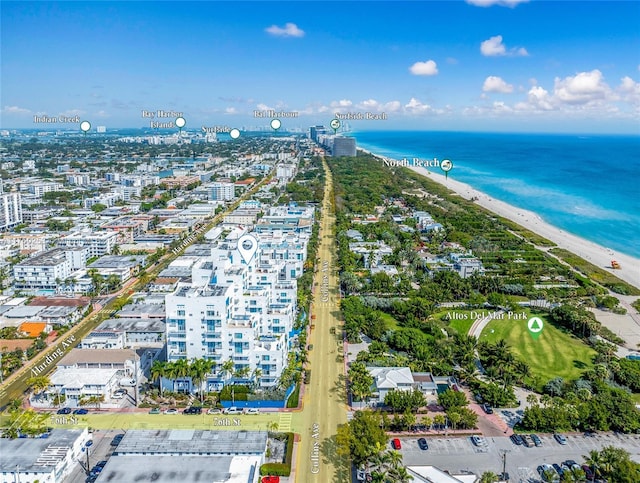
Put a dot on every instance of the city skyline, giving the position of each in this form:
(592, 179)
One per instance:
(475, 65)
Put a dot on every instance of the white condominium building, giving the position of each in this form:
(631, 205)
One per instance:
(240, 306)
(98, 242)
(10, 210)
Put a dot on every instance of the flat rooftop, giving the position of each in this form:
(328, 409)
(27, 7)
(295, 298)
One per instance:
(186, 468)
(188, 441)
(36, 454)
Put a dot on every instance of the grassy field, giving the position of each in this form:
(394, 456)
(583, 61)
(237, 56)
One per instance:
(390, 322)
(555, 353)
(461, 320)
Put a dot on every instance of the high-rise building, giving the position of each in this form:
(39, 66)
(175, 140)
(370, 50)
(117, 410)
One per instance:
(10, 210)
(223, 191)
(343, 146)
(314, 131)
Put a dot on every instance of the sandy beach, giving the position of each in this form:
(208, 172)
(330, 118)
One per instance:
(592, 252)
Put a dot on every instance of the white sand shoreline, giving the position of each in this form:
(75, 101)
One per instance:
(590, 251)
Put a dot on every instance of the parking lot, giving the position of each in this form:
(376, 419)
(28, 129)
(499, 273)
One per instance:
(460, 455)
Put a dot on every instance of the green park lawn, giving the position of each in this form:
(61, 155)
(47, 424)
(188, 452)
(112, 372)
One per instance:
(555, 353)
(390, 322)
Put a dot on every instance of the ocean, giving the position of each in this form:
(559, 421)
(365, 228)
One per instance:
(588, 185)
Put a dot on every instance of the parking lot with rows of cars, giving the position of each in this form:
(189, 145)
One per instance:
(460, 454)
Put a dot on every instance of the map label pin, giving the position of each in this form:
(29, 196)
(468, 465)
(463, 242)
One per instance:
(535, 326)
(247, 246)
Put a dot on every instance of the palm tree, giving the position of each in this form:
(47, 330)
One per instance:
(489, 477)
(181, 368)
(549, 475)
(256, 375)
(226, 369)
(596, 462)
(399, 474)
(439, 420)
(38, 383)
(159, 370)
(394, 458)
(198, 371)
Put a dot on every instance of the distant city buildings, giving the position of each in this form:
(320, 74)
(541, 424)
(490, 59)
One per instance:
(223, 191)
(343, 146)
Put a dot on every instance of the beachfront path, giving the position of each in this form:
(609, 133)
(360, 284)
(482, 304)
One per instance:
(324, 400)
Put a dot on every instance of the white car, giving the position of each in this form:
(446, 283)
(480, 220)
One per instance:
(127, 381)
(214, 411)
(252, 411)
(232, 410)
(119, 394)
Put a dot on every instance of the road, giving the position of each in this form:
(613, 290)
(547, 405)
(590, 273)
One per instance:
(324, 400)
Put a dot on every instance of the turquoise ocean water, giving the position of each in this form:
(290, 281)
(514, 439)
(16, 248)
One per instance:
(588, 185)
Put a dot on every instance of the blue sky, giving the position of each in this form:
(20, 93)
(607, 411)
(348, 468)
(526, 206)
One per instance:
(497, 65)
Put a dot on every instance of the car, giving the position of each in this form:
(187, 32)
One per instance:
(395, 442)
(101, 464)
(154, 411)
(214, 411)
(81, 411)
(64, 411)
(270, 479)
(536, 439)
(422, 442)
(478, 398)
(558, 469)
(127, 381)
(570, 463)
(487, 408)
(91, 479)
(252, 411)
(588, 472)
(528, 441)
(546, 468)
(478, 441)
(361, 475)
(89, 443)
(560, 438)
(171, 411)
(116, 439)
(516, 439)
(232, 410)
(193, 410)
(96, 470)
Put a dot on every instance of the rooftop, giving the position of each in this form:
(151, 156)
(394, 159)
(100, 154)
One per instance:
(82, 356)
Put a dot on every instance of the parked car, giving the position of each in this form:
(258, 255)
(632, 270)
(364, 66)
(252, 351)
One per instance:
(478, 441)
(116, 439)
(119, 394)
(214, 411)
(81, 411)
(536, 440)
(588, 472)
(232, 410)
(154, 411)
(64, 411)
(89, 443)
(193, 410)
(252, 411)
(478, 398)
(422, 442)
(487, 408)
(516, 439)
(560, 439)
(395, 442)
(528, 440)
(544, 469)
(102, 463)
(270, 479)
(171, 411)
(127, 381)
(558, 469)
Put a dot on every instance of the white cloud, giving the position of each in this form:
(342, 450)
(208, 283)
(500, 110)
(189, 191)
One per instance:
(72, 112)
(15, 110)
(289, 30)
(496, 84)
(373, 105)
(231, 110)
(428, 67)
(494, 47)
(414, 106)
(583, 88)
(490, 3)
(263, 107)
(630, 90)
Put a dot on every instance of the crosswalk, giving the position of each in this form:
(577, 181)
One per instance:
(284, 424)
